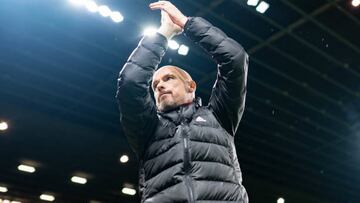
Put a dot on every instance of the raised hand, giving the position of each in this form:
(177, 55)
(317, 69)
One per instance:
(174, 13)
(168, 28)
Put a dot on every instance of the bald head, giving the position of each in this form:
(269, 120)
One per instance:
(172, 87)
(182, 74)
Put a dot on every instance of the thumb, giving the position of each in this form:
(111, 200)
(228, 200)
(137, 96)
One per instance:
(165, 17)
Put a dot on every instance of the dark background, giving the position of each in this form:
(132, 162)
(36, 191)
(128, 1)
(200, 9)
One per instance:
(299, 136)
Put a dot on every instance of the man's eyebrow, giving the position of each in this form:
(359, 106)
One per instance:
(154, 82)
(169, 74)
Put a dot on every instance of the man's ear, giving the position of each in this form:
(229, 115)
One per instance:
(191, 87)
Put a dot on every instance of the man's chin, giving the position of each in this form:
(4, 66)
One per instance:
(167, 107)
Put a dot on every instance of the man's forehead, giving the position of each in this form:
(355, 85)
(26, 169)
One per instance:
(164, 71)
(171, 70)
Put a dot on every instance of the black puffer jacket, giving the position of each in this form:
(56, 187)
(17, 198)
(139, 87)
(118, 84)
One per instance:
(188, 154)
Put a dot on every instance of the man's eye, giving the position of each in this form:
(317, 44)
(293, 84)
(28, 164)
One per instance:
(169, 77)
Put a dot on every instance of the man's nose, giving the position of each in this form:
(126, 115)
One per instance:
(160, 86)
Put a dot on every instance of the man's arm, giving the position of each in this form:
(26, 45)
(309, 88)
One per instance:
(138, 113)
(228, 95)
(137, 108)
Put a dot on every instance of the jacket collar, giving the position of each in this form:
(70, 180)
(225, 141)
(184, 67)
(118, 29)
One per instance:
(183, 113)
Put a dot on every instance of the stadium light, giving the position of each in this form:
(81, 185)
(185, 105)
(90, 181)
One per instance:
(252, 2)
(3, 126)
(104, 11)
(116, 17)
(128, 191)
(355, 3)
(183, 50)
(26, 168)
(262, 7)
(173, 44)
(78, 2)
(3, 189)
(150, 31)
(79, 180)
(124, 159)
(281, 200)
(92, 6)
(47, 197)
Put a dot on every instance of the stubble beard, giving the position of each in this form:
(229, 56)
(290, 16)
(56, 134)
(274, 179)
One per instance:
(167, 105)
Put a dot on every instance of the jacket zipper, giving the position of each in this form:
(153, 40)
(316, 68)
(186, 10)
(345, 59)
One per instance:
(187, 167)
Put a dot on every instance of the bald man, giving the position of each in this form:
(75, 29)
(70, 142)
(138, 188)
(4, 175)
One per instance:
(172, 87)
(186, 151)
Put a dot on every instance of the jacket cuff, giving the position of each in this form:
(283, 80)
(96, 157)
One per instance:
(187, 25)
(157, 39)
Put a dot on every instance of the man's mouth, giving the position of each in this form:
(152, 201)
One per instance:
(163, 94)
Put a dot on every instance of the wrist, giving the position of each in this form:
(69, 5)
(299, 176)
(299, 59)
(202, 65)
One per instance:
(183, 21)
(166, 33)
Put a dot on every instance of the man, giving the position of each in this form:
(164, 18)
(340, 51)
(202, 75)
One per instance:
(186, 151)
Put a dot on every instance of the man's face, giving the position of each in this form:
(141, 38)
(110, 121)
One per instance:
(170, 89)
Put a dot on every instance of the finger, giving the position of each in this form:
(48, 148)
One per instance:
(159, 3)
(157, 6)
(160, 7)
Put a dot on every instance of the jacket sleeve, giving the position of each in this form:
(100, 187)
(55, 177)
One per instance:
(227, 99)
(138, 114)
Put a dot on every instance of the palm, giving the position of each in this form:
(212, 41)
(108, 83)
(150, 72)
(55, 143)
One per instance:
(174, 13)
(168, 22)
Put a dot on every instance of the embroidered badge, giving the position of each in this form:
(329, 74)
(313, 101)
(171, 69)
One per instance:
(199, 119)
